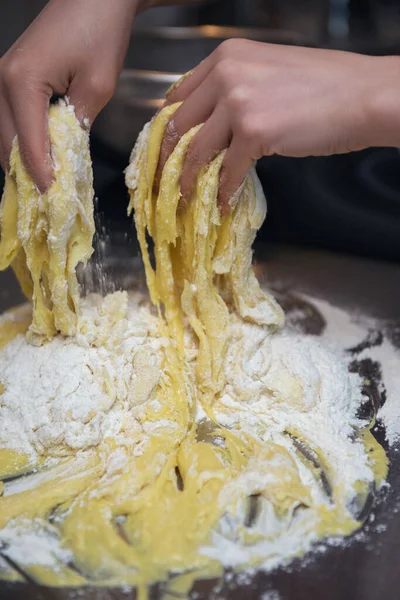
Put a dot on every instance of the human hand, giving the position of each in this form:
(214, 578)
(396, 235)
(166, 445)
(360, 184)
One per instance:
(260, 99)
(74, 48)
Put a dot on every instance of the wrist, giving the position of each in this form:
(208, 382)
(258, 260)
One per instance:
(384, 102)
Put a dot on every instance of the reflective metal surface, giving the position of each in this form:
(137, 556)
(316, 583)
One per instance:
(138, 96)
(179, 49)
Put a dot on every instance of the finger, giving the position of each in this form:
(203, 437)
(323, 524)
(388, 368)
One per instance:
(190, 82)
(195, 110)
(211, 139)
(235, 167)
(7, 134)
(89, 94)
(31, 123)
(168, 144)
(234, 48)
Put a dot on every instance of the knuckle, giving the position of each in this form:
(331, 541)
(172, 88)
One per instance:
(102, 87)
(229, 47)
(237, 99)
(225, 73)
(248, 130)
(13, 72)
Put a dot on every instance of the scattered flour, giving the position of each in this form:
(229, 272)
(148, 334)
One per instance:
(389, 359)
(348, 330)
(301, 382)
(297, 383)
(26, 545)
(94, 386)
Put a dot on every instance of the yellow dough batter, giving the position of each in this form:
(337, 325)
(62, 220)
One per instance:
(44, 237)
(203, 411)
(203, 266)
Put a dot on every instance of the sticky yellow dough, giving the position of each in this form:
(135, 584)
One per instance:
(140, 508)
(203, 265)
(44, 237)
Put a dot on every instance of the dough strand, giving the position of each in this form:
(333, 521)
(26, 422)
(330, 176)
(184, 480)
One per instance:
(45, 236)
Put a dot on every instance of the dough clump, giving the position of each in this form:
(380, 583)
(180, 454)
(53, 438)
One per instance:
(45, 236)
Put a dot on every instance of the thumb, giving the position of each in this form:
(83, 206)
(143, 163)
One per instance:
(31, 124)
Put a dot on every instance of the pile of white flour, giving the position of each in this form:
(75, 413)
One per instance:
(68, 395)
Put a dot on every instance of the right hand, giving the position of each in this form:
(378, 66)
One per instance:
(261, 99)
(74, 48)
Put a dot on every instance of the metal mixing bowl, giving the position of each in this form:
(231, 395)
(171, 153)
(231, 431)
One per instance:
(138, 97)
(367, 568)
(179, 49)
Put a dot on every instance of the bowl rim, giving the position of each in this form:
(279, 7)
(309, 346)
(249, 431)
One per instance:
(220, 32)
(166, 77)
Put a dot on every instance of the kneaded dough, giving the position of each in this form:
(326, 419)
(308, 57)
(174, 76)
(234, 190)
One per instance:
(203, 264)
(45, 236)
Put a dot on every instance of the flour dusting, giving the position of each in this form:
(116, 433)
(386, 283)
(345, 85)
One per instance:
(71, 395)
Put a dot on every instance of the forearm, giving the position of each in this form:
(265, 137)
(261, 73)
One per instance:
(384, 104)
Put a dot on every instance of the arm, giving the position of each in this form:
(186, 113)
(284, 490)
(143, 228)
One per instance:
(260, 99)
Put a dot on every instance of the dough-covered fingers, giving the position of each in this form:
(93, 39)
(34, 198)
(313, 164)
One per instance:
(213, 137)
(235, 167)
(196, 110)
(292, 102)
